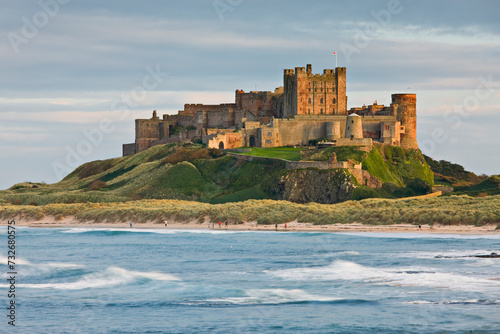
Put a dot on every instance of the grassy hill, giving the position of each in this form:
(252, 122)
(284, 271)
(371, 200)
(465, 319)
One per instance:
(461, 181)
(193, 172)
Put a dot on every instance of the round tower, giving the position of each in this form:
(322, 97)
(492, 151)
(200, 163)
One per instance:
(354, 127)
(332, 130)
(407, 115)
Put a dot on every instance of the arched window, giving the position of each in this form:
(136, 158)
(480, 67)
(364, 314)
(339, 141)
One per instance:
(321, 101)
(321, 110)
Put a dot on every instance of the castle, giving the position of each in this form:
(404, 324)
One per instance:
(308, 107)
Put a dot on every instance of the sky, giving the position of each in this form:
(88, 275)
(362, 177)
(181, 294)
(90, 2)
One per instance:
(75, 74)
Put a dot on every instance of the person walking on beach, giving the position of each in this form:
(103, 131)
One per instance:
(165, 223)
(130, 224)
(226, 225)
(286, 226)
(276, 226)
(419, 227)
(220, 224)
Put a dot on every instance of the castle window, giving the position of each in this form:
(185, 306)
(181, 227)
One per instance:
(268, 142)
(308, 111)
(321, 101)
(309, 101)
(404, 108)
(269, 133)
(333, 110)
(386, 127)
(405, 99)
(309, 90)
(334, 100)
(322, 89)
(333, 89)
(321, 110)
(315, 89)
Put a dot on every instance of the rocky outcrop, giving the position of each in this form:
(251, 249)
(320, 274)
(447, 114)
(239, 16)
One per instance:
(313, 185)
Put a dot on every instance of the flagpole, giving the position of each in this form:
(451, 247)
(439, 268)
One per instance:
(335, 53)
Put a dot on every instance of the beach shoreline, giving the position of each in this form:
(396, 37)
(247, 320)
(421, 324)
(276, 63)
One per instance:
(294, 226)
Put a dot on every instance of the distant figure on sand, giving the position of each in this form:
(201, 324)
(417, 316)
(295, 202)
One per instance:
(220, 224)
(130, 224)
(165, 223)
(226, 225)
(419, 227)
(286, 226)
(276, 227)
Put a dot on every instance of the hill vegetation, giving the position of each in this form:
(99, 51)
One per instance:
(193, 172)
(190, 182)
(461, 181)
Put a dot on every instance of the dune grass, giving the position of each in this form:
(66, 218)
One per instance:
(453, 210)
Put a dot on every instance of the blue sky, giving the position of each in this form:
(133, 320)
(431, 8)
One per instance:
(75, 74)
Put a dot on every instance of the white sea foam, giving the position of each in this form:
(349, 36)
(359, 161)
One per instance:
(274, 296)
(112, 276)
(406, 276)
(353, 253)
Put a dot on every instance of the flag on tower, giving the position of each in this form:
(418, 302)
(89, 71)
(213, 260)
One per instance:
(335, 53)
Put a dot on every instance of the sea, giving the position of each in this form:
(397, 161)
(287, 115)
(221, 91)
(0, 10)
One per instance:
(110, 280)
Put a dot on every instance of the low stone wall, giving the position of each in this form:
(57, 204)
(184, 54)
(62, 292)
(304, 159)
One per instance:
(308, 164)
(363, 177)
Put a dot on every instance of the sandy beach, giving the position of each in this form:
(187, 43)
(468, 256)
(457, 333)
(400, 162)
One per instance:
(71, 222)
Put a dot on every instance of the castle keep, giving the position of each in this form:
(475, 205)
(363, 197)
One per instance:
(308, 107)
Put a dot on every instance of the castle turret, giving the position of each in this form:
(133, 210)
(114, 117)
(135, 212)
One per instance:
(407, 115)
(354, 127)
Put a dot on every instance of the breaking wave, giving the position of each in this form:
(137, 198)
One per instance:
(109, 277)
(275, 296)
(409, 276)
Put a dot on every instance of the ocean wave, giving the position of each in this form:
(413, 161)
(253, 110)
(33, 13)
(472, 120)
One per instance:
(418, 235)
(465, 254)
(27, 269)
(112, 276)
(125, 230)
(18, 261)
(274, 296)
(407, 276)
(487, 302)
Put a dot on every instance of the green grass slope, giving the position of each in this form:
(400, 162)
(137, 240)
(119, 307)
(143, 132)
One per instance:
(193, 172)
(185, 172)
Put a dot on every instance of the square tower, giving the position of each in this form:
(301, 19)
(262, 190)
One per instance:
(315, 94)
